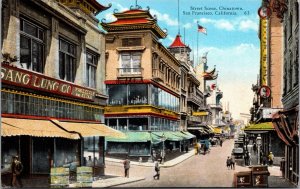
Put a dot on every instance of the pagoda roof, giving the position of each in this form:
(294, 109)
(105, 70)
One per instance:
(177, 42)
(98, 6)
(134, 19)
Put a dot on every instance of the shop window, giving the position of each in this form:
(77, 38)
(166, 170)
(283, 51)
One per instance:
(31, 46)
(28, 105)
(139, 150)
(128, 42)
(113, 123)
(66, 153)
(91, 67)
(9, 149)
(93, 153)
(117, 94)
(154, 95)
(138, 124)
(138, 94)
(122, 124)
(131, 63)
(67, 60)
(40, 148)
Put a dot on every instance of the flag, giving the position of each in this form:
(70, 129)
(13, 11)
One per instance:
(202, 29)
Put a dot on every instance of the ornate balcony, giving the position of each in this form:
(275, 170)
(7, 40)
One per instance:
(158, 74)
(195, 99)
(130, 72)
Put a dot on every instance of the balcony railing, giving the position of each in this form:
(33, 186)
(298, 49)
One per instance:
(216, 106)
(158, 74)
(129, 72)
(194, 98)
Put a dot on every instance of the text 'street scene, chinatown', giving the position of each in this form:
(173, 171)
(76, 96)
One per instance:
(149, 93)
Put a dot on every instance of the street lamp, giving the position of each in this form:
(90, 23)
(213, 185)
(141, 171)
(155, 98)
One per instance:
(258, 142)
(163, 138)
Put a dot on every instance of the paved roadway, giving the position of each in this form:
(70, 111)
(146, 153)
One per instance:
(198, 171)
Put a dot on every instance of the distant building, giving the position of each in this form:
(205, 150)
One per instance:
(194, 115)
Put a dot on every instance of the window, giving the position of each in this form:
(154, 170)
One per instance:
(31, 46)
(91, 67)
(131, 62)
(128, 42)
(67, 60)
(297, 12)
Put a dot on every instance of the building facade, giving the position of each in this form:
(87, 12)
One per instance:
(193, 114)
(53, 91)
(286, 122)
(143, 84)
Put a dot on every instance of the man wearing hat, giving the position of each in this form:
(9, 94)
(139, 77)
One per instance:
(271, 158)
(16, 169)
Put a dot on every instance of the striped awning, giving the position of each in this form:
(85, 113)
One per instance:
(33, 127)
(90, 129)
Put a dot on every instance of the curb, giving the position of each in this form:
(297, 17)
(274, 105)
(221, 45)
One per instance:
(151, 164)
(120, 183)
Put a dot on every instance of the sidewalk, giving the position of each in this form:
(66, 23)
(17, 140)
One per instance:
(275, 180)
(169, 163)
(108, 182)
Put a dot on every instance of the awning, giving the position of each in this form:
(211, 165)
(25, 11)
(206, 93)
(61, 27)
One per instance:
(266, 126)
(217, 130)
(189, 135)
(169, 135)
(90, 129)
(138, 136)
(33, 127)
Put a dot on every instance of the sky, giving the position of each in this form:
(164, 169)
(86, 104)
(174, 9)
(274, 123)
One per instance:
(232, 40)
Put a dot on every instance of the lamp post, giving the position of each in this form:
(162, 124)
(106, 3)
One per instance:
(163, 138)
(258, 142)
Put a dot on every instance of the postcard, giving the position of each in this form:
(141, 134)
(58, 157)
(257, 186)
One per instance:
(149, 93)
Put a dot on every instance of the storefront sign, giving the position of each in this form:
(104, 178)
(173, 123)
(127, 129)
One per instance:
(24, 78)
(263, 51)
(264, 92)
(267, 113)
(264, 12)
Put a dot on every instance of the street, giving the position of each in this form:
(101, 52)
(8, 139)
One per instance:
(198, 171)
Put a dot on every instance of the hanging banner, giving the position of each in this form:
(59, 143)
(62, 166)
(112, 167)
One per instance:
(263, 51)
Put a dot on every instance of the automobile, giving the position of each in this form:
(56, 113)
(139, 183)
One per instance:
(238, 152)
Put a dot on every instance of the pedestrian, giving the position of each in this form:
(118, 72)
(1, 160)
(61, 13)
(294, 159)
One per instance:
(199, 148)
(232, 165)
(249, 158)
(271, 158)
(16, 169)
(264, 159)
(196, 148)
(204, 148)
(186, 148)
(254, 148)
(246, 158)
(157, 170)
(228, 162)
(126, 166)
(221, 142)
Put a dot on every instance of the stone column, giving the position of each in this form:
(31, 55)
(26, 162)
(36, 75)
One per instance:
(52, 50)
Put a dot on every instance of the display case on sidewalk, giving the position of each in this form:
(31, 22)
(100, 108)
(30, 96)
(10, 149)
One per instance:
(243, 179)
(260, 176)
